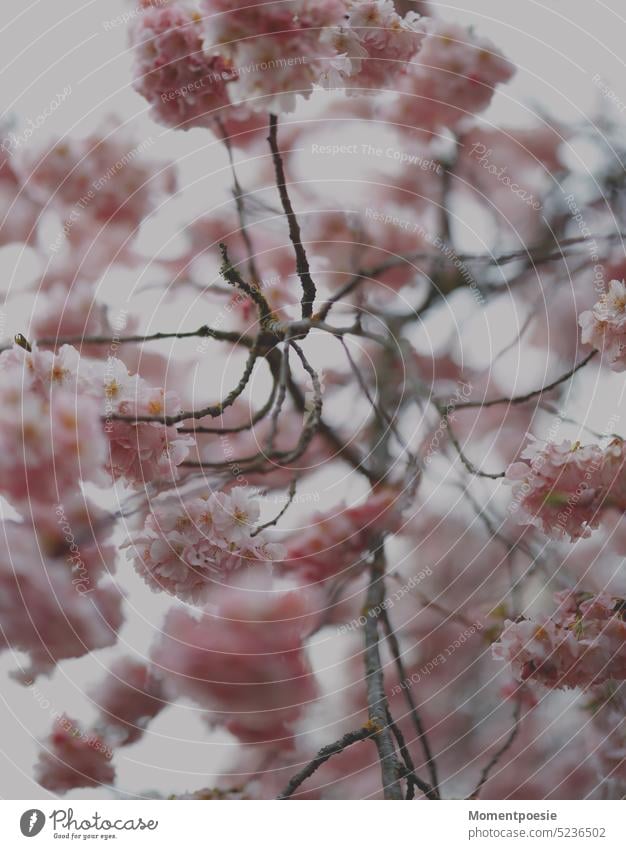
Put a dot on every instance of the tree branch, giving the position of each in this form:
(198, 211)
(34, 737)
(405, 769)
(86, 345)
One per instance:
(377, 703)
(415, 716)
(323, 755)
(521, 399)
(302, 263)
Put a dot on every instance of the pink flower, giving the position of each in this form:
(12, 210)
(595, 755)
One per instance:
(142, 451)
(40, 370)
(70, 758)
(103, 177)
(184, 86)
(453, 77)
(337, 543)
(57, 428)
(187, 546)
(46, 607)
(558, 487)
(236, 515)
(130, 696)
(614, 474)
(51, 440)
(374, 46)
(275, 47)
(246, 663)
(604, 326)
(581, 645)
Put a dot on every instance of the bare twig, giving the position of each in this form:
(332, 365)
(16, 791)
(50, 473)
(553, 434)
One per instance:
(471, 468)
(302, 263)
(255, 419)
(323, 755)
(291, 493)
(203, 332)
(377, 704)
(521, 399)
(213, 410)
(407, 770)
(232, 276)
(239, 203)
(501, 751)
(415, 715)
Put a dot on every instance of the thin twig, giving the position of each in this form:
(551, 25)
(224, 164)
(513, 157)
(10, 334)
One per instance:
(302, 263)
(521, 399)
(232, 276)
(471, 468)
(213, 410)
(239, 203)
(323, 755)
(377, 703)
(203, 332)
(415, 716)
(291, 493)
(501, 751)
(383, 417)
(254, 420)
(407, 770)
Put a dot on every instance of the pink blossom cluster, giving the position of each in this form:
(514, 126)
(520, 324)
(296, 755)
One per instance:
(336, 544)
(184, 87)
(580, 645)
(558, 487)
(50, 439)
(138, 451)
(70, 758)
(100, 178)
(245, 661)
(452, 78)
(58, 428)
(129, 696)
(604, 326)
(236, 59)
(249, 624)
(50, 608)
(275, 47)
(188, 546)
(563, 488)
(373, 46)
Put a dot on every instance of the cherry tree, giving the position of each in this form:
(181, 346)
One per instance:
(361, 463)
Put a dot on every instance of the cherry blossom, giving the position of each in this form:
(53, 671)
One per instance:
(50, 608)
(579, 646)
(70, 758)
(274, 47)
(453, 76)
(604, 326)
(66, 419)
(128, 697)
(375, 44)
(557, 487)
(183, 86)
(140, 451)
(103, 177)
(245, 663)
(187, 546)
(50, 439)
(318, 356)
(336, 544)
